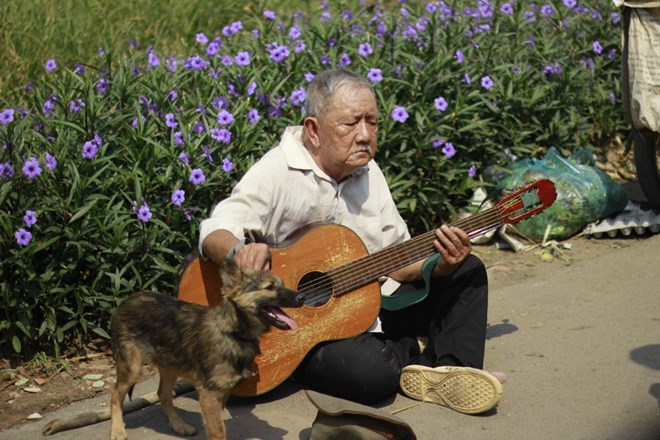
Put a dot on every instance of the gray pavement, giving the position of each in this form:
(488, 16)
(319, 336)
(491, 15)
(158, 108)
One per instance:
(580, 346)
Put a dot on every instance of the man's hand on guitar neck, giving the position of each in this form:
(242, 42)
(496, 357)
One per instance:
(454, 245)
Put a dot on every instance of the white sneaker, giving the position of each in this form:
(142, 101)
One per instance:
(463, 389)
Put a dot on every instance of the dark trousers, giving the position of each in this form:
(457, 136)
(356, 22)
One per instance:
(366, 368)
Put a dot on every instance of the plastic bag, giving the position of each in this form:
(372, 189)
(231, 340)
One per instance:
(584, 193)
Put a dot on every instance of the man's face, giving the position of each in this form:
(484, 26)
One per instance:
(348, 132)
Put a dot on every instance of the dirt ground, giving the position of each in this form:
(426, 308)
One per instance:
(38, 389)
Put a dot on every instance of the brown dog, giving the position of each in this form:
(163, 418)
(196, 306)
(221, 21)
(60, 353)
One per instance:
(211, 347)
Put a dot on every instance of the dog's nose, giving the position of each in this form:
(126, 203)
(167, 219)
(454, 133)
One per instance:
(300, 298)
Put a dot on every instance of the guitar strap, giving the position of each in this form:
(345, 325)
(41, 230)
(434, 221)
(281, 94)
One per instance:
(403, 300)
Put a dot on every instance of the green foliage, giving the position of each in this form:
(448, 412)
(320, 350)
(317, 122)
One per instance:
(106, 224)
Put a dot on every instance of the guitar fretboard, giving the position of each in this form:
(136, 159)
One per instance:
(350, 276)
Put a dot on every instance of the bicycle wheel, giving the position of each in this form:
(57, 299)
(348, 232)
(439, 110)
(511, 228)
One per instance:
(646, 165)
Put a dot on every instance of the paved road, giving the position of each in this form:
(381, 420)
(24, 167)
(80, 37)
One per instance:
(581, 348)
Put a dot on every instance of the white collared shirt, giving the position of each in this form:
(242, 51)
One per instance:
(285, 191)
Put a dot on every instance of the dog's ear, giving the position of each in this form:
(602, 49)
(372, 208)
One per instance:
(230, 274)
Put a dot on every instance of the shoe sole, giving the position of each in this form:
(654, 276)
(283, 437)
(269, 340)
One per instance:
(463, 389)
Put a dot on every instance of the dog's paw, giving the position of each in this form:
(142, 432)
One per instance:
(182, 428)
(118, 435)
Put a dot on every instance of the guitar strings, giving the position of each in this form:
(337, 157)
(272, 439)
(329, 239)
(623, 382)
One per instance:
(420, 248)
(344, 277)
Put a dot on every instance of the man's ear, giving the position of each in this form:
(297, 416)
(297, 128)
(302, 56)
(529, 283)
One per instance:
(311, 127)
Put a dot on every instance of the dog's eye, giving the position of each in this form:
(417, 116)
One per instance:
(269, 286)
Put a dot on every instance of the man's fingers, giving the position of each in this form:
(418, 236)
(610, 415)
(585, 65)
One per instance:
(253, 256)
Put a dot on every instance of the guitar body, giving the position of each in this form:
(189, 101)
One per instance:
(338, 317)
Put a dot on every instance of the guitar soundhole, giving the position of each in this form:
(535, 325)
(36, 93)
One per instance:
(317, 288)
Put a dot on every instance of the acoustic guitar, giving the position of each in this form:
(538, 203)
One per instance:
(330, 265)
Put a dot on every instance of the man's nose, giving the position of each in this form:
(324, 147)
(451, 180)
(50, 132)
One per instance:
(363, 132)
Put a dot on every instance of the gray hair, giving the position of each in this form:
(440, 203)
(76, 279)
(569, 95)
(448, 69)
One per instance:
(322, 88)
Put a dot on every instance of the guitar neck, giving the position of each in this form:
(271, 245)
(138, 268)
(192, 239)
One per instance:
(369, 268)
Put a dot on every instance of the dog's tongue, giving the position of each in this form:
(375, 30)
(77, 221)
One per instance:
(279, 314)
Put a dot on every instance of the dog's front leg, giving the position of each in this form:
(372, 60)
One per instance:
(213, 406)
(165, 387)
(117, 428)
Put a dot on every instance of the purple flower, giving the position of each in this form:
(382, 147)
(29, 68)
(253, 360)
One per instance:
(30, 218)
(195, 63)
(598, 48)
(6, 116)
(277, 53)
(251, 88)
(242, 58)
(448, 150)
(345, 59)
(74, 106)
(466, 79)
(253, 116)
(375, 75)
(399, 114)
(570, 3)
(51, 162)
(102, 86)
(220, 103)
(23, 237)
(201, 38)
(227, 165)
(459, 57)
(440, 103)
(144, 213)
(199, 128)
(472, 171)
(197, 176)
(178, 197)
(178, 138)
(506, 8)
(221, 135)
(6, 171)
(183, 157)
(225, 118)
(31, 168)
(212, 49)
(298, 96)
(547, 10)
(365, 49)
(154, 61)
(49, 105)
(170, 121)
(269, 14)
(437, 143)
(486, 82)
(90, 149)
(294, 33)
(50, 65)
